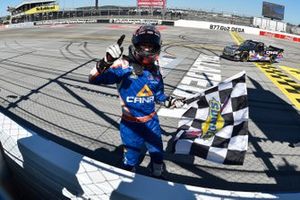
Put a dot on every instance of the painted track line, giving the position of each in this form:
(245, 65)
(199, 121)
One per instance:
(292, 71)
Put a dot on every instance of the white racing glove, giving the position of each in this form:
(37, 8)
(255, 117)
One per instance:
(114, 52)
(174, 102)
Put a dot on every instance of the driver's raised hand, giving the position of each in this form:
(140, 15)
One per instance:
(115, 51)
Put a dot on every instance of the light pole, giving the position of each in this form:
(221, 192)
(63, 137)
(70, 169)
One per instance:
(96, 4)
(10, 10)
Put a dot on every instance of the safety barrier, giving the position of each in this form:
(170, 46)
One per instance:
(76, 176)
(103, 21)
(21, 25)
(235, 28)
(216, 26)
(279, 35)
(179, 23)
(73, 21)
(111, 20)
(141, 21)
(134, 21)
(62, 172)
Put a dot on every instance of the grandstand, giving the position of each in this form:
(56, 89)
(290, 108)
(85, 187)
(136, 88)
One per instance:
(39, 10)
(32, 10)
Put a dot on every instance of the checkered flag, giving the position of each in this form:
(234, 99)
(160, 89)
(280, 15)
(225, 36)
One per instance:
(215, 126)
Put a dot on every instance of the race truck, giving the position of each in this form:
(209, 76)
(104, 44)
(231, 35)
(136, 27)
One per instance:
(251, 50)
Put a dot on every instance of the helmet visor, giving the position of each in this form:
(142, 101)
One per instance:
(147, 40)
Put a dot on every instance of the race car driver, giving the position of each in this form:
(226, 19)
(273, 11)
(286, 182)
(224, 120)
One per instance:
(140, 86)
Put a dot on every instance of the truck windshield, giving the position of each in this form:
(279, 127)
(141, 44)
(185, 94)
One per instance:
(248, 44)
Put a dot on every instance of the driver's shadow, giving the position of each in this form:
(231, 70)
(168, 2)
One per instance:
(50, 168)
(140, 187)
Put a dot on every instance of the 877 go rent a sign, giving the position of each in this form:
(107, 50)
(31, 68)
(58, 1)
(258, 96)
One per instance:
(152, 3)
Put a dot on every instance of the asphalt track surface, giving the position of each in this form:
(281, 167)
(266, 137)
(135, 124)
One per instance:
(44, 86)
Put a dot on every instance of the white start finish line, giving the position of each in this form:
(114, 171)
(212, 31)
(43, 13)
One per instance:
(204, 73)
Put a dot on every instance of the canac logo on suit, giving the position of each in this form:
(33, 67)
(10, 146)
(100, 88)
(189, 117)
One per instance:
(145, 95)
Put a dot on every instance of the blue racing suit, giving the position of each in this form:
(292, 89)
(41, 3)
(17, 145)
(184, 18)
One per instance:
(138, 94)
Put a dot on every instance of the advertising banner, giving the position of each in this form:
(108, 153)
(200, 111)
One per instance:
(42, 9)
(217, 26)
(135, 21)
(280, 36)
(152, 3)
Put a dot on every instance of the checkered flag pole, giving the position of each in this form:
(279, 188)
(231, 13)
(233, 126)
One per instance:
(215, 126)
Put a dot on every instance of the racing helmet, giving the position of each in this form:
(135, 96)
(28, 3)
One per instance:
(146, 44)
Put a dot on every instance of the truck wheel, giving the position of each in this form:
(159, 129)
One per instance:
(244, 57)
(272, 59)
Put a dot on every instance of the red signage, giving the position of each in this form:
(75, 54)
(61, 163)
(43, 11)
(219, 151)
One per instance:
(152, 3)
(280, 36)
